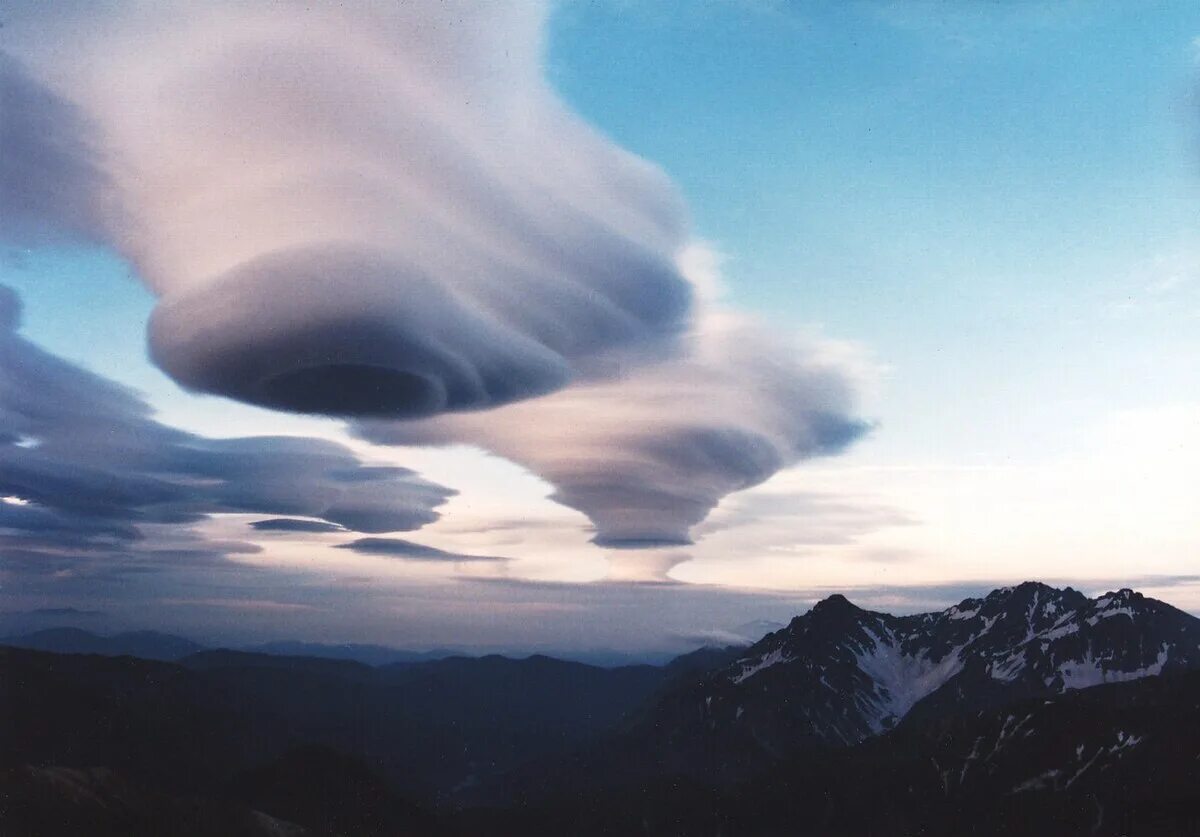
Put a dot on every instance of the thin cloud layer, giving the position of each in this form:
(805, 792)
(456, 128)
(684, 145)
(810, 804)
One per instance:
(648, 456)
(365, 209)
(86, 473)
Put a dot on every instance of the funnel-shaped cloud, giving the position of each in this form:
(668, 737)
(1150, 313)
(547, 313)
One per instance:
(361, 209)
(648, 456)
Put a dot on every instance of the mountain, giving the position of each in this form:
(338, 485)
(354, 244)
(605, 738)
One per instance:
(148, 645)
(839, 674)
(755, 630)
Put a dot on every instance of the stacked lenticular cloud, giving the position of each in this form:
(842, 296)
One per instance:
(361, 209)
(381, 211)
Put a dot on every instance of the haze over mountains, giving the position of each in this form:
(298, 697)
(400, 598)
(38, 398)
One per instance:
(1023, 707)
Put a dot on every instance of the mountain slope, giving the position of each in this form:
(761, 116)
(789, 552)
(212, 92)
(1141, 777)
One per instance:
(1117, 759)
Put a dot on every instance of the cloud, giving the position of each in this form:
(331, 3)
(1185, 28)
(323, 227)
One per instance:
(383, 212)
(784, 518)
(647, 456)
(290, 524)
(365, 209)
(87, 474)
(400, 548)
(52, 180)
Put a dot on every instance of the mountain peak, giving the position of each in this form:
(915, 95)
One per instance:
(837, 603)
(1023, 587)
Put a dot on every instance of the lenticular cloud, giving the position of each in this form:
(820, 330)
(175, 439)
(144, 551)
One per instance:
(363, 209)
(381, 211)
(646, 457)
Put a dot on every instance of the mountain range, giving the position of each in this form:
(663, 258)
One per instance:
(1031, 710)
(155, 645)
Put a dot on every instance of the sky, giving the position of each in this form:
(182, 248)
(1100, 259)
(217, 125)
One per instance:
(597, 325)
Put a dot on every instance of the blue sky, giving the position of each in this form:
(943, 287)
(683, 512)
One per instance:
(995, 204)
(970, 190)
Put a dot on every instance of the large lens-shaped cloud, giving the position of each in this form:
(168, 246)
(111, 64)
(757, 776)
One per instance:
(364, 209)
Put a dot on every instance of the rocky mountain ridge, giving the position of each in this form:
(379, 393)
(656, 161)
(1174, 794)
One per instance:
(840, 674)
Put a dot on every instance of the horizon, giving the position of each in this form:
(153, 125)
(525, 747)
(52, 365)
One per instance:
(742, 636)
(589, 327)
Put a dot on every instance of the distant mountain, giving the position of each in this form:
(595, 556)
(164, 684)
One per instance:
(153, 645)
(148, 645)
(372, 655)
(754, 631)
(840, 674)
(382, 655)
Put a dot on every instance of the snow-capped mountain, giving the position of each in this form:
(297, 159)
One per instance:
(840, 674)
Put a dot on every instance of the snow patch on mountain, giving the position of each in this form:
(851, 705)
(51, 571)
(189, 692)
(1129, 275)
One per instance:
(1008, 668)
(901, 679)
(1090, 671)
(1109, 613)
(771, 658)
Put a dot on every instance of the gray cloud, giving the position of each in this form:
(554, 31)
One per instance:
(400, 548)
(366, 209)
(86, 472)
(52, 180)
(647, 457)
(291, 524)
